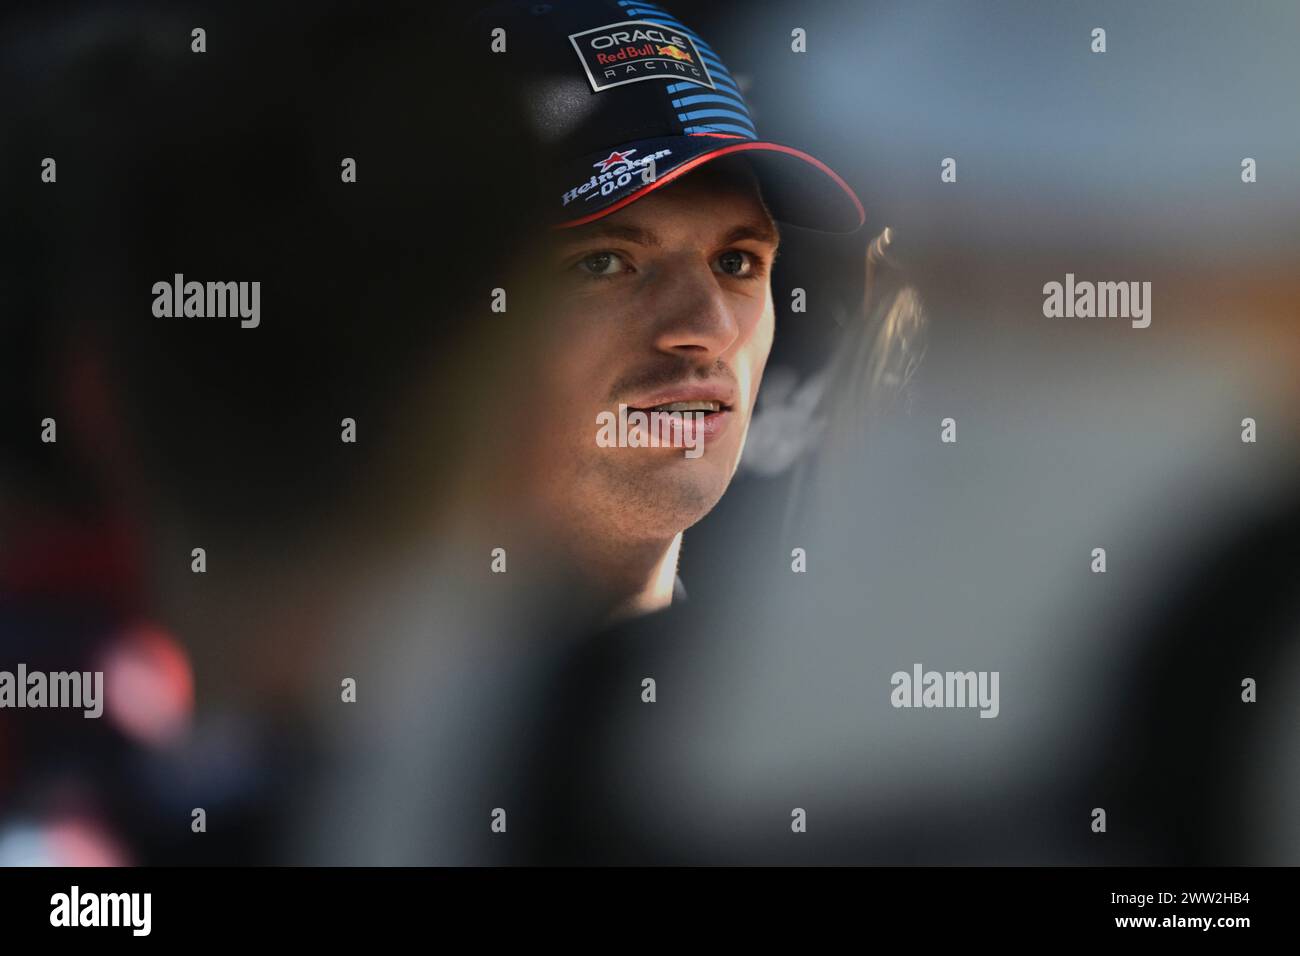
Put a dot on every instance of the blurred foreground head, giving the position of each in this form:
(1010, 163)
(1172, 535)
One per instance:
(371, 404)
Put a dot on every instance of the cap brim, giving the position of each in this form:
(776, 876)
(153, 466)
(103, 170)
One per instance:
(798, 188)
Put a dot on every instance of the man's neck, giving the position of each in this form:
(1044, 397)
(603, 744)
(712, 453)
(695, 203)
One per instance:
(636, 578)
(657, 580)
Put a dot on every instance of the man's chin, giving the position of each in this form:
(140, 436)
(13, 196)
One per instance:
(671, 493)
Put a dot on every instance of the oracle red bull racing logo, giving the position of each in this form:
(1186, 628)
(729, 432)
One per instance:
(636, 50)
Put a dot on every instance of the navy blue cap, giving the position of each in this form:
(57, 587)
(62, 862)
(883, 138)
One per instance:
(612, 86)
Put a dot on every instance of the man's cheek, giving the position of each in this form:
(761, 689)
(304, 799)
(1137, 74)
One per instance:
(766, 330)
(763, 338)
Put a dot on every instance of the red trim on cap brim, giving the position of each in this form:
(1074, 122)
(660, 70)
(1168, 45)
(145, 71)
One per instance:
(694, 161)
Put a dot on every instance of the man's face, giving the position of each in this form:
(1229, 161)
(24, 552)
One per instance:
(665, 301)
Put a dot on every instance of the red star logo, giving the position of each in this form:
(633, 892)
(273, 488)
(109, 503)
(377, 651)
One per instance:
(613, 159)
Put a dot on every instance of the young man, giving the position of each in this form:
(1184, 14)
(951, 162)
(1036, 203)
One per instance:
(659, 286)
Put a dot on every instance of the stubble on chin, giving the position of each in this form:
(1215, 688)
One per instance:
(654, 502)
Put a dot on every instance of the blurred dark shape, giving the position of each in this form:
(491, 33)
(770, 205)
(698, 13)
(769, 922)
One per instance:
(225, 166)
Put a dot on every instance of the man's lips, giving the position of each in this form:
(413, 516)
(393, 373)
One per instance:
(714, 402)
(710, 399)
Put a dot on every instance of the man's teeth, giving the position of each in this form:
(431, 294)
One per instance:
(688, 407)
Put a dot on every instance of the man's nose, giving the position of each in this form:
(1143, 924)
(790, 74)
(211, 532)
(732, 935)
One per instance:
(695, 320)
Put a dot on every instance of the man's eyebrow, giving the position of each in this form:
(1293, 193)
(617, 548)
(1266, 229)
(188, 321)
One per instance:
(610, 230)
(759, 230)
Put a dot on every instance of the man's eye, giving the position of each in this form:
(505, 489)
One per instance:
(736, 263)
(602, 264)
